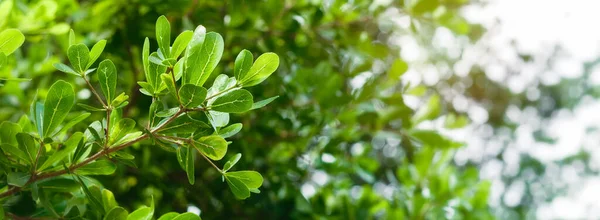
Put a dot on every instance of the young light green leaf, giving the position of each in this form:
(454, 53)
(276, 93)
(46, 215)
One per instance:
(189, 165)
(143, 213)
(120, 129)
(10, 40)
(168, 80)
(36, 113)
(28, 145)
(73, 122)
(18, 179)
(107, 76)
(236, 101)
(116, 213)
(230, 130)
(181, 43)
(69, 146)
(231, 162)
(186, 216)
(263, 103)
(58, 103)
(108, 200)
(264, 66)
(128, 137)
(3, 59)
(168, 216)
(251, 179)
(146, 55)
(238, 188)
(90, 108)
(99, 167)
(163, 35)
(95, 52)
(71, 37)
(192, 95)
(79, 56)
(65, 69)
(214, 147)
(203, 60)
(9, 132)
(243, 63)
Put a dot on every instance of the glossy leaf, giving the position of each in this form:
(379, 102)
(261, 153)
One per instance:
(79, 56)
(65, 69)
(236, 101)
(243, 63)
(231, 162)
(263, 103)
(99, 167)
(230, 130)
(163, 35)
(203, 60)
(95, 52)
(116, 213)
(73, 122)
(69, 147)
(189, 165)
(192, 95)
(107, 76)
(120, 129)
(238, 188)
(181, 43)
(262, 68)
(58, 103)
(251, 179)
(10, 40)
(214, 147)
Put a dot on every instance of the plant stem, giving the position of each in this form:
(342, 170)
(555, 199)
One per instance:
(72, 168)
(94, 91)
(206, 158)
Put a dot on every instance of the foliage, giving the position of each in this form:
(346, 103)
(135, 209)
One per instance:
(46, 158)
(361, 150)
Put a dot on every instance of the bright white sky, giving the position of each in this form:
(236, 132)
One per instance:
(536, 26)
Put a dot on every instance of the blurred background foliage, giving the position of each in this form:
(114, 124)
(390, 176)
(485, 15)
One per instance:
(351, 136)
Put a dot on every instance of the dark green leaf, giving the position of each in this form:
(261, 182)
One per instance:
(59, 184)
(69, 147)
(238, 188)
(18, 179)
(73, 122)
(189, 165)
(9, 132)
(99, 167)
(236, 101)
(192, 95)
(79, 56)
(90, 108)
(28, 145)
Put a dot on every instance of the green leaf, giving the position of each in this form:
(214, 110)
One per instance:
(434, 139)
(153, 76)
(69, 147)
(18, 179)
(145, 56)
(11, 149)
(120, 101)
(65, 69)
(251, 179)
(168, 80)
(10, 40)
(107, 76)
(36, 113)
(99, 167)
(9, 132)
(28, 145)
(243, 63)
(90, 108)
(142, 213)
(163, 35)
(168, 216)
(79, 56)
(238, 188)
(58, 103)
(167, 112)
(59, 184)
(128, 137)
(95, 52)
(108, 200)
(183, 125)
(3, 59)
(120, 129)
(73, 122)
(189, 165)
(71, 37)
(236, 101)
(264, 66)
(263, 103)
(231, 162)
(116, 213)
(192, 95)
(186, 216)
(181, 43)
(230, 130)
(203, 60)
(398, 68)
(214, 147)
